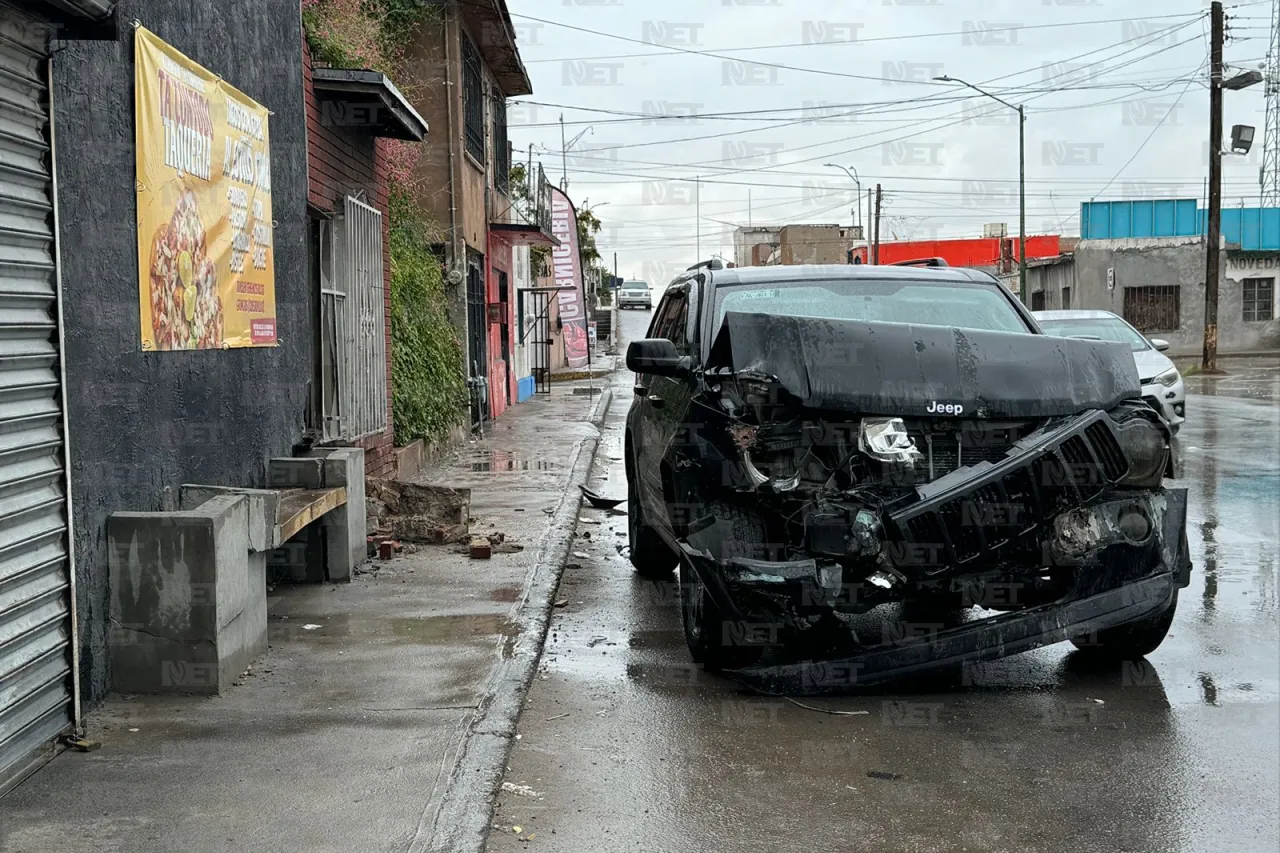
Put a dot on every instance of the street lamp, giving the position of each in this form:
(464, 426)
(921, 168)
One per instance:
(853, 176)
(1022, 179)
(1218, 83)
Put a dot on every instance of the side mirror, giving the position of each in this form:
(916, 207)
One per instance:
(658, 357)
(1160, 344)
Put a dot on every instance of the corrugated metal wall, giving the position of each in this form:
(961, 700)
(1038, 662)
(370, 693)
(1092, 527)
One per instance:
(1253, 229)
(36, 686)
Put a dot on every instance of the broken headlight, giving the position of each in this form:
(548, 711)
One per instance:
(1147, 449)
(886, 439)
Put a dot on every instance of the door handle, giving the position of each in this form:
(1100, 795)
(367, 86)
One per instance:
(656, 401)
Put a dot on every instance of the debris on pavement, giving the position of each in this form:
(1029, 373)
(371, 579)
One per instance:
(481, 549)
(561, 602)
(600, 501)
(520, 790)
(497, 544)
(882, 774)
(416, 512)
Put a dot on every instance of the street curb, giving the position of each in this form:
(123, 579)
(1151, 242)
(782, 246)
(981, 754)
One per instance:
(462, 822)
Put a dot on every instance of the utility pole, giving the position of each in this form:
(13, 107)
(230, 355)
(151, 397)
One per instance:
(878, 199)
(564, 159)
(1022, 204)
(1209, 360)
(697, 206)
(871, 220)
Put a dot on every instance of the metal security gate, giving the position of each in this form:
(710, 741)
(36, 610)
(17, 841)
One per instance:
(477, 340)
(539, 333)
(37, 689)
(353, 364)
(364, 380)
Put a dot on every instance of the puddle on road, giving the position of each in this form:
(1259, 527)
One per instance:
(499, 461)
(506, 594)
(426, 630)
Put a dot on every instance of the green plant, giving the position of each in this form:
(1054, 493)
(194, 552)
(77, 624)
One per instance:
(429, 392)
(589, 226)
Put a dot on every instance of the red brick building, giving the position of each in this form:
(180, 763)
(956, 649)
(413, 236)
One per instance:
(351, 115)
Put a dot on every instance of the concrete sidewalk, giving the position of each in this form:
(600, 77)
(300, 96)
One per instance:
(380, 718)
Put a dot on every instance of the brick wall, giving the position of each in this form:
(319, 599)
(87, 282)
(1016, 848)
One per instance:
(342, 161)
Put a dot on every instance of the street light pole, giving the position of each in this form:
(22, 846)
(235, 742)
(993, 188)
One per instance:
(1022, 204)
(1218, 82)
(1022, 178)
(853, 176)
(1213, 230)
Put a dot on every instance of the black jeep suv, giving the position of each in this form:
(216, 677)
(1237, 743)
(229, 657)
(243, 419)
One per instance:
(807, 443)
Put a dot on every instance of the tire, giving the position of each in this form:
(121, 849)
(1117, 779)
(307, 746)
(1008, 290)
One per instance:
(650, 556)
(704, 629)
(710, 644)
(1132, 640)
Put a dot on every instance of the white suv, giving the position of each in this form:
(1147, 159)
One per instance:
(635, 294)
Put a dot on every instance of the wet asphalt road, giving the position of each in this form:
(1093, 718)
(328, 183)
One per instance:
(625, 745)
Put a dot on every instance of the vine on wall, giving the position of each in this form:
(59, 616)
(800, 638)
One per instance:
(429, 394)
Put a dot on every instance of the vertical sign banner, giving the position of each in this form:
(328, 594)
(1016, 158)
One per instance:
(206, 269)
(566, 264)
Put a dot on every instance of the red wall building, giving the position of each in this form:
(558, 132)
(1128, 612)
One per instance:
(977, 252)
(501, 323)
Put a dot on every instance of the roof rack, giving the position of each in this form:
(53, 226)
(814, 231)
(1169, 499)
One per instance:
(713, 264)
(921, 262)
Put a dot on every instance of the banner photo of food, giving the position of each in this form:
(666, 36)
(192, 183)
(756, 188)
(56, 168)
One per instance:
(206, 269)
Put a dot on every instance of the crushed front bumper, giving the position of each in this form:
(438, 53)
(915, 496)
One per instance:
(1121, 573)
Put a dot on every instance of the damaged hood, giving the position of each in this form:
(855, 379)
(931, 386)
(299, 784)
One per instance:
(907, 370)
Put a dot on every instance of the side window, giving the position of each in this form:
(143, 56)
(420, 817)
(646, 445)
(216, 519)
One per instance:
(672, 321)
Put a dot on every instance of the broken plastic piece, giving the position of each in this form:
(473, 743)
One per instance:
(600, 501)
(884, 580)
(886, 439)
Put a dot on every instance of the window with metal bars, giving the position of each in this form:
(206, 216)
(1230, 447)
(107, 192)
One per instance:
(1152, 309)
(472, 100)
(1258, 299)
(501, 150)
(1037, 301)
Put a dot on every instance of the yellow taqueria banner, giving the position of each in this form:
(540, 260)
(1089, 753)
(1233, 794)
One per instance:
(206, 269)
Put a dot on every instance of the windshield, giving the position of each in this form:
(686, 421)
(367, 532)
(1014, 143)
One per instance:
(634, 285)
(922, 303)
(1106, 328)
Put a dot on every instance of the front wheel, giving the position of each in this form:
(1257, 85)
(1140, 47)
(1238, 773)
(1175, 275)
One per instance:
(650, 556)
(1131, 640)
(712, 641)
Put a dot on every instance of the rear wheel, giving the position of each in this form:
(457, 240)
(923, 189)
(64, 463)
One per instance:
(1131, 640)
(650, 556)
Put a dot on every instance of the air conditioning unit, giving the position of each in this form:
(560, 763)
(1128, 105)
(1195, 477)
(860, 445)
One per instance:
(995, 229)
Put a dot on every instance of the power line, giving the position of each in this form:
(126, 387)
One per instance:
(854, 41)
(779, 66)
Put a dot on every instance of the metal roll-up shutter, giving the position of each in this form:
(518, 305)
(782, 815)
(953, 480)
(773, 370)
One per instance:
(36, 685)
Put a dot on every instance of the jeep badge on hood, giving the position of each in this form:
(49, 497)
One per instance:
(936, 408)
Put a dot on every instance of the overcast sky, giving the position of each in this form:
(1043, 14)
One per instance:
(1114, 93)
